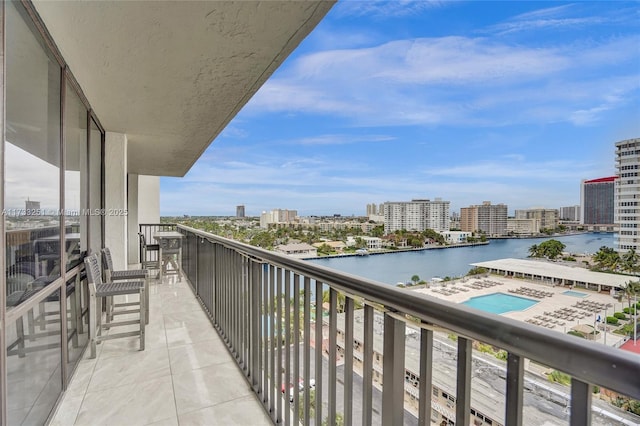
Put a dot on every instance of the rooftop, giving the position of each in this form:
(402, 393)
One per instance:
(553, 270)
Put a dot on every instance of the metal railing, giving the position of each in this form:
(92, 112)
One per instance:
(148, 230)
(267, 308)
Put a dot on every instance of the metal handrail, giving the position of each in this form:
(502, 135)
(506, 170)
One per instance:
(592, 363)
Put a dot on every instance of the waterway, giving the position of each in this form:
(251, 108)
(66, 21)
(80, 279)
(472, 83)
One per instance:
(393, 268)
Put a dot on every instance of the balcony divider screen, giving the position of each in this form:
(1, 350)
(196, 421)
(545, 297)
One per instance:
(323, 347)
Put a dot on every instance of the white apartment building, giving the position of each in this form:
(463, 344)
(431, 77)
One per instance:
(548, 217)
(627, 195)
(523, 226)
(572, 213)
(278, 216)
(456, 237)
(416, 215)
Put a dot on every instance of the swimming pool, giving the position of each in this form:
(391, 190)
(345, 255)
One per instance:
(499, 303)
(574, 293)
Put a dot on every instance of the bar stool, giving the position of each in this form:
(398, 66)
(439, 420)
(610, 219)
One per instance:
(99, 290)
(123, 275)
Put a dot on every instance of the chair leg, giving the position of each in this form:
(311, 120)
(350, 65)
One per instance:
(31, 320)
(146, 300)
(143, 319)
(93, 317)
(74, 321)
(20, 334)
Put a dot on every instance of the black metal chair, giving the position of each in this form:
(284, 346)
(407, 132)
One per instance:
(146, 250)
(99, 290)
(123, 275)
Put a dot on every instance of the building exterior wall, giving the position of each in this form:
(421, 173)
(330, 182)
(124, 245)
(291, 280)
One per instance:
(416, 215)
(116, 197)
(572, 213)
(597, 201)
(627, 195)
(523, 226)
(456, 237)
(548, 217)
(487, 218)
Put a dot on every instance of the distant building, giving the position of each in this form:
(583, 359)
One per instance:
(416, 215)
(548, 217)
(239, 211)
(298, 250)
(372, 209)
(456, 237)
(597, 201)
(523, 226)
(627, 195)
(487, 218)
(571, 213)
(278, 217)
(32, 207)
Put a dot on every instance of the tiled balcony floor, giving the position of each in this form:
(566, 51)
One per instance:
(185, 376)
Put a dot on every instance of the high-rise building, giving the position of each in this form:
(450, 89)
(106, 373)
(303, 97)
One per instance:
(239, 211)
(571, 213)
(597, 201)
(372, 209)
(416, 215)
(32, 207)
(278, 216)
(548, 217)
(627, 195)
(487, 218)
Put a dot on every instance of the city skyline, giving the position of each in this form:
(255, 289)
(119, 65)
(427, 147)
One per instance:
(515, 103)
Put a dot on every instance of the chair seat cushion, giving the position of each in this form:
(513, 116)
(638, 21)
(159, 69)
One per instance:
(129, 274)
(121, 287)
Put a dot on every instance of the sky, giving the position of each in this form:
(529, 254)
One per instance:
(509, 102)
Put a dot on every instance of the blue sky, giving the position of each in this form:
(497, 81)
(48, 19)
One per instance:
(511, 102)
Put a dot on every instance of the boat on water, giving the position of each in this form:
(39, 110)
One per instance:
(362, 252)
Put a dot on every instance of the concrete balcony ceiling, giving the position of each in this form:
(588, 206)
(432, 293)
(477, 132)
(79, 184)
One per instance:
(172, 74)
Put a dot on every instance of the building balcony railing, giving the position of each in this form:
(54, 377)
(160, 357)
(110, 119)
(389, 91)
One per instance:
(266, 308)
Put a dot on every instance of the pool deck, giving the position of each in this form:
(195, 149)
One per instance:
(556, 302)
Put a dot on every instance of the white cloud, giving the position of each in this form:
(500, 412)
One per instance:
(381, 8)
(453, 80)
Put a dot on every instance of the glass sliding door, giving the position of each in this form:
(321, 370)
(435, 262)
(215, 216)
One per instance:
(32, 216)
(76, 183)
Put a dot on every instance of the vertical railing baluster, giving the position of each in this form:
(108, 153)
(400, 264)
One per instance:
(255, 348)
(333, 332)
(515, 381)
(279, 384)
(463, 382)
(318, 349)
(393, 371)
(307, 346)
(296, 345)
(272, 339)
(426, 376)
(348, 361)
(367, 362)
(265, 332)
(580, 403)
(287, 343)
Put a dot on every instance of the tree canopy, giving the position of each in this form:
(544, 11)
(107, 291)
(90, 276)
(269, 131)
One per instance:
(550, 249)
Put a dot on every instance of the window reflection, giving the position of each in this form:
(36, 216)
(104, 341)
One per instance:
(32, 160)
(33, 363)
(75, 178)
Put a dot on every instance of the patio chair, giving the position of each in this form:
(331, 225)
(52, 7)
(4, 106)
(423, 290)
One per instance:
(145, 250)
(99, 290)
(123, 275)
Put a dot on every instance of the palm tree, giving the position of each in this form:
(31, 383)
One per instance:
(630, 290)
(533, 251)
(630, 261)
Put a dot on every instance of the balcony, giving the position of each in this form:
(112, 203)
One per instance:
(215, 357)
(185, 374)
